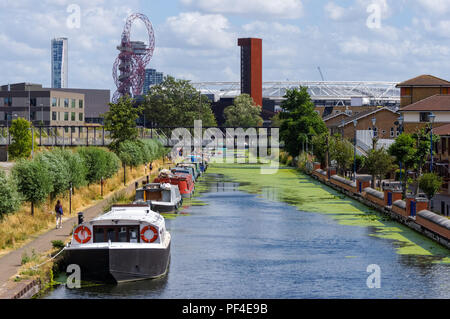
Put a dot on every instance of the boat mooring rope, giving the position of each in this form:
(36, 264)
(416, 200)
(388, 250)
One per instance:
(35, 267)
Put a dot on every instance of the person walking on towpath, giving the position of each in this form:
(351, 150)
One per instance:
(59, 213)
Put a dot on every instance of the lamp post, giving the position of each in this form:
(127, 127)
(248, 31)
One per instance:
(355, 123)
(374, 122)
(432, 117)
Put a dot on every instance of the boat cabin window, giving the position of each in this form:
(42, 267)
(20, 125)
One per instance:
(153, 195)
(140, 194)
(117, 234)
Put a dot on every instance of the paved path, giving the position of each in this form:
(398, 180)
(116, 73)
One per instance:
(10, 263)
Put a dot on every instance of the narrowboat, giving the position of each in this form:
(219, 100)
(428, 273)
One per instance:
(162, 198)
(128, 243)
(194, 166)
(183, 181)
(185, 170)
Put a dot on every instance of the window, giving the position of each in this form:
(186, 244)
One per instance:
(405, 91)
(33, 101)
(33, 115)
(66, 102)
(73, 103)
(7, 101)
(72, 116)
(66, 130)
(66, 116)
(392, 132)
(54, 102)
(425, 117)
(80, 104)
(54, 116)
(80, 117)
(375, 132)
(121, 234)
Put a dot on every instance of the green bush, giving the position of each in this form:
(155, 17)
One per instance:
(58, 244)
(34, 181)
(77, 167)
(131, 153)
(21, 139)
(10, 198)
(58, 169)
(99, 162)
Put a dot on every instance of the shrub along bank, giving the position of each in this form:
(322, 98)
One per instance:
(51, 174)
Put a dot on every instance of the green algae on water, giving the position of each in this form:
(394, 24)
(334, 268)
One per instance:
(309, 195)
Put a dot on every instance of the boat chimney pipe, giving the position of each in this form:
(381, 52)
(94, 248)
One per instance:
(80, 218)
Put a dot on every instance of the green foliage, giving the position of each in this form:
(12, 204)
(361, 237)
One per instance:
(77, 167)
(58, 244)
(430, 184)
(34, 181)
(131, 153)
(320, 147)
(99, 162)
(134, 153)
(21, 139)
(58, 169)
(299, 120)
(120, 120)
(422, 140)
(342, 151)
(176, 103)
(379, 162)
(10, 198)
(243, 113)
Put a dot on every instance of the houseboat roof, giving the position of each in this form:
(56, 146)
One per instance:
(131, 212)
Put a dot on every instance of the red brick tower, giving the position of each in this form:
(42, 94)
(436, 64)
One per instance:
(251, 68)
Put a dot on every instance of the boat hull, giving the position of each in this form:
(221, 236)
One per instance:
(120, 265)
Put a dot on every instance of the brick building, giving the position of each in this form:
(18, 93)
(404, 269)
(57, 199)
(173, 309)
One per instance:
(384, 128)
(421, 87)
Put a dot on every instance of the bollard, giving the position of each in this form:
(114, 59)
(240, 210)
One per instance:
(80, 218)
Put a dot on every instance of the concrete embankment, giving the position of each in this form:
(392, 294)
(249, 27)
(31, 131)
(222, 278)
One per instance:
(411, 212)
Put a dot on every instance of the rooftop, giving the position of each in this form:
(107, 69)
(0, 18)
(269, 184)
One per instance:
(364, 114)
(424, 80)
(442, 130)
(438, 102)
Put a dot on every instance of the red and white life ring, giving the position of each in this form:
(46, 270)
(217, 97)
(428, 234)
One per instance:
(146, 238)
(82, 234)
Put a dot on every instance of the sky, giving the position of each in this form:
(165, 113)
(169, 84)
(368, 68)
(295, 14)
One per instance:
(350, 40)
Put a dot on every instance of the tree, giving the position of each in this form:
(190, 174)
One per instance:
(404, 151)
(422, 146)
(120, 120)
(341, 150)
(33, 180)
(430, 184)
(10, 198)
(58, 169)
(243, 113)
(299, 120)
(130, 153)
(320, 144)
(21, 139)
(176, 103)
(78, 169)
(99, 163)
(378, 163)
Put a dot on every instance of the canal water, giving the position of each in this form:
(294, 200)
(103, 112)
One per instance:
(286, 236)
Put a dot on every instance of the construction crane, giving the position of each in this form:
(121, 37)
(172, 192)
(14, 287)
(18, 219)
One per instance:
(321, 75)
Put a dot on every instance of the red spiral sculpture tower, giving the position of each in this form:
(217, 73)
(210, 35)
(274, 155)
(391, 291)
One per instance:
(133, 58)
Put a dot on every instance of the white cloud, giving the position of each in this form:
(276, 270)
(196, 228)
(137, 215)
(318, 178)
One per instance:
(285, 9)
(199, 30)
